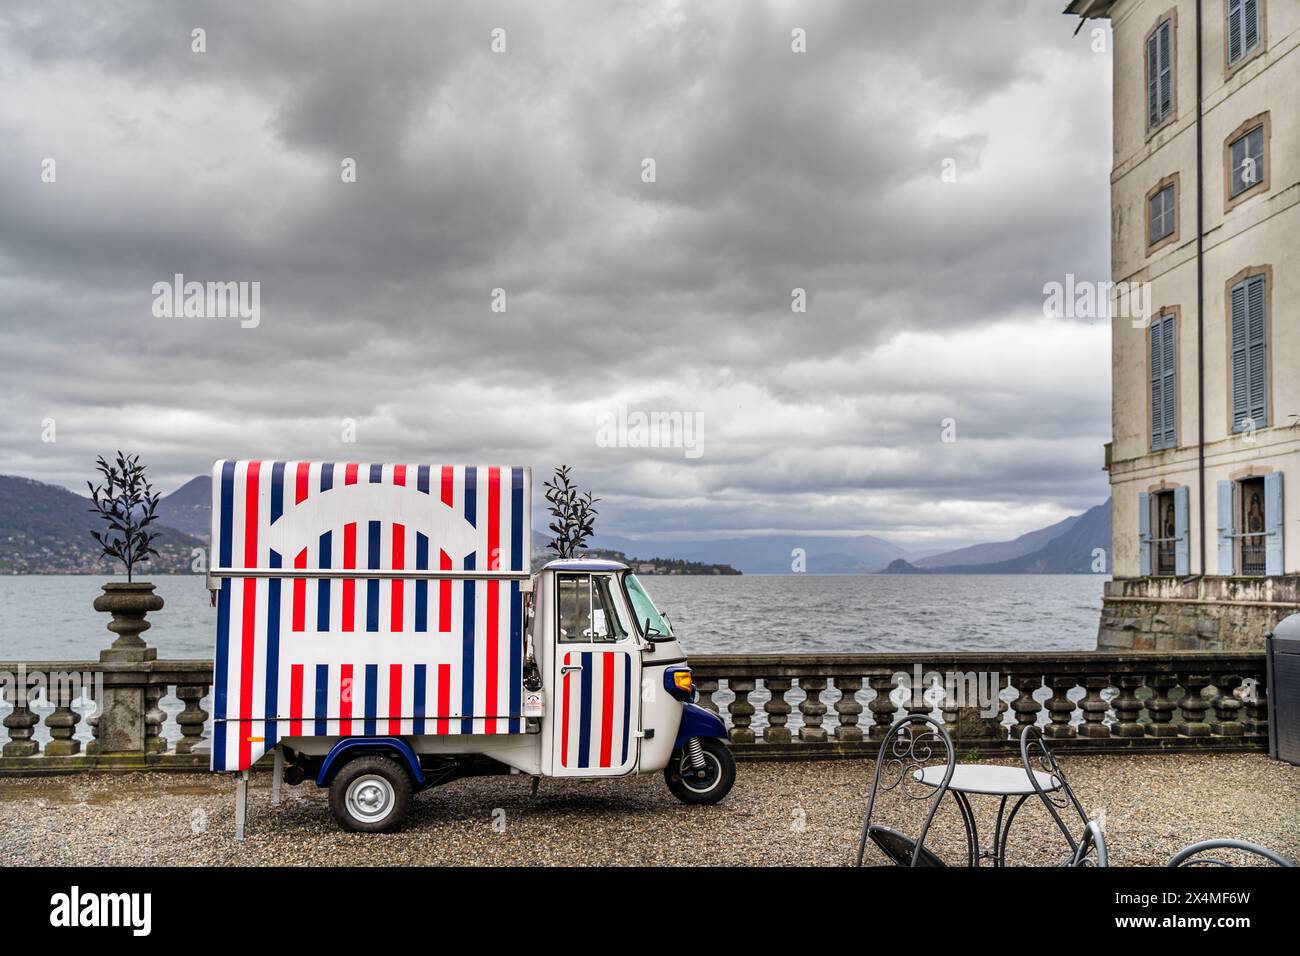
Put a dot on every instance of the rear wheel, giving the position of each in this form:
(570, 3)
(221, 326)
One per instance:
(371, 794)
(706, 784)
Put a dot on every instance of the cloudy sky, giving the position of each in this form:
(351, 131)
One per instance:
(524, 170)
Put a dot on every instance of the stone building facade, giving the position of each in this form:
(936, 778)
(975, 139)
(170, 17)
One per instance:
(1204, 461)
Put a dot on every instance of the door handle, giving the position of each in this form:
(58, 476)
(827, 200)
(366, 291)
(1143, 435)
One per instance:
(569, 668)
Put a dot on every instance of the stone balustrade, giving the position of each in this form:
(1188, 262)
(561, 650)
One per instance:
(150, 715)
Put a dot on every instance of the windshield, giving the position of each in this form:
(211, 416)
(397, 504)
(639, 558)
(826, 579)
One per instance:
(644, 610)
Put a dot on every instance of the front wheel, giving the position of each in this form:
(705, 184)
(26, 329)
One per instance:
(371, 794)
(706, 784)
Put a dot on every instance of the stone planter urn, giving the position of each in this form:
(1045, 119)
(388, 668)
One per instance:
(128, 602)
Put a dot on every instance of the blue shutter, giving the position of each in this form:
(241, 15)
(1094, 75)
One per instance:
(1273, 555)
(1250, 28)
(1182, 531)
(1257, 342)
(1240, 359)
(1153, 80)
(1169, 382)
(1144, 534)
(1234, 30)
(1157, 385)
(1226, 528)
(1166, 68)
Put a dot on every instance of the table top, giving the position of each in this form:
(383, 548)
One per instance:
(987, 779)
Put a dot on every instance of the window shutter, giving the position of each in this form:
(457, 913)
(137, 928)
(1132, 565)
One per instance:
(1234, 30)
(1240, 357)
(1157, 385)
(1256, 330)
(1226, 529)
(1144, 534)
(1169, 384)
(1273, 554)
(1250, 29)
(1182, 531)
(1239, 183)
(1166, 70)
(1153, 81)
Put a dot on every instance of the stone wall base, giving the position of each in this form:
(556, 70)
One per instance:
(1194, 614)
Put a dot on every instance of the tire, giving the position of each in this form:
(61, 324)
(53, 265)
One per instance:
(720, 774)
(370, 794)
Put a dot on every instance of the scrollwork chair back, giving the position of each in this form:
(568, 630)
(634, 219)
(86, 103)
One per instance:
(913, 745)
(1190, 855)
(1036, 756)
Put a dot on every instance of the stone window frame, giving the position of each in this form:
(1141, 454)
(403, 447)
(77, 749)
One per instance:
(1173, 179)
(1177, 312)
(1263, 120)
(1230, 68)
(1267, 272)
(1172, 16)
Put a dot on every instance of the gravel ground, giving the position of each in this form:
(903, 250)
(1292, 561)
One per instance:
(778, 813)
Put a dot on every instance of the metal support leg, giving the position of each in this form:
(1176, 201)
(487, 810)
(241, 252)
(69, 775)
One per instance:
(997, 833)
(972, 832)
(277, 776)
(241, 803)
(1006, 830)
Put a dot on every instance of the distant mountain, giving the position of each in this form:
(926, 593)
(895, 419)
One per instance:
(45, 529)
(770, 554)
(1070, 552)
(189, 507)
(998, 550)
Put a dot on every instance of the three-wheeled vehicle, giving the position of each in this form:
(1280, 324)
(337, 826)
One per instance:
(379, 631)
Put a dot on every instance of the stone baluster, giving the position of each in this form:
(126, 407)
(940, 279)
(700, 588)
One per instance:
(881, 707)
(63, 721)
(1094, 707)
(741, 710)
(1227, 709)
(707, 688)
(848, 709)
(1025, 707)
(20, 722)
(1060, 709)
(192, 719)
(812, 709)
(1194, 706)
(1159, 707)
(777, 709)
(1256, 721)
(951, 716)
(1128, 708)
(154, 716)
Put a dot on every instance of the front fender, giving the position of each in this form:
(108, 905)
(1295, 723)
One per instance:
(699, 722)
(393, 746)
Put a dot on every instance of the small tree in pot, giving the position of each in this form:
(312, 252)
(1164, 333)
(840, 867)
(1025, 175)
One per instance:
(128, 504)
(573, 516)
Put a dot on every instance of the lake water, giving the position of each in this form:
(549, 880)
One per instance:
(50, 616)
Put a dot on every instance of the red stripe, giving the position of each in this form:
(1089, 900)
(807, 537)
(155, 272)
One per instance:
(564, 711)
(300, 493)
(395, 699)
(607, 710)
(295, 701)
(399, 563)
(399, 475)
(444, 594)
(447, 485)
(345, 699)
(251, 492)
(349, 584)
(493, 600)
(300, 594)
(350, 474)
(444, 697)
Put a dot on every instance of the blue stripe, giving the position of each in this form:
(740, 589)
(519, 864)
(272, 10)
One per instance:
(323, 585)
(376, 474)
(516, 519)
(471, 495)
(467, 655)
(222, 657)
(272, 652)
(422, 479)
(421, 587)
(417, 689)
(516, 655)
(627, 703)
(584, 725)
(277, 491)
(372, 693)
(326, 476)
(372, 584)
(322, 697)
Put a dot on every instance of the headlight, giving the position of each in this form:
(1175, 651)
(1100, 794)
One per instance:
(678, 682)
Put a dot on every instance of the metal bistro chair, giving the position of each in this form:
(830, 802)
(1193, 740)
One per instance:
(1187, 855)
(912, 745)
(1090, 848)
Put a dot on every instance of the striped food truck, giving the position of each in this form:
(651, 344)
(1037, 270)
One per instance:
(380, 631)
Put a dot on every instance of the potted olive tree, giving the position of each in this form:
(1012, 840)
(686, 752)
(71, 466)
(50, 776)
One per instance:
(127, 503)
(573, 516)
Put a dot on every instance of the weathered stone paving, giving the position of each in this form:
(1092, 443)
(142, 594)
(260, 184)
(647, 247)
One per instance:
(778, 813)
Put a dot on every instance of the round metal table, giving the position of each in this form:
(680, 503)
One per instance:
(992, 781)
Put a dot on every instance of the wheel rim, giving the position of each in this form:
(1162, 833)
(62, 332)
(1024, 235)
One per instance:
(370, 798)
(703, 780)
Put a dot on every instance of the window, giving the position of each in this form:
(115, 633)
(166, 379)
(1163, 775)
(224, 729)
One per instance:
(1243, 29)
(1164, 382)
(588, 611)
(1247, 304)
(1245, 161)
(1160, 73)
(1250, 520)
(1162, 213)
(1164, 520)
(1250, 525)
(1166, 536)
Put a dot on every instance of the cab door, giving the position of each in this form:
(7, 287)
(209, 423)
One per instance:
(596, 679)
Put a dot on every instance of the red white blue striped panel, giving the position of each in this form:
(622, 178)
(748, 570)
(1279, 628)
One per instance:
(595, 711)
(365, 656)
